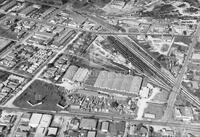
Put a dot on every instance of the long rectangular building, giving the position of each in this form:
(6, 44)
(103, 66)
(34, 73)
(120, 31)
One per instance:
(50, 2)
(118, 82)
(27, 10)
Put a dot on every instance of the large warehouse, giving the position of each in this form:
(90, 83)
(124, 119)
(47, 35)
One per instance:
(118, 82)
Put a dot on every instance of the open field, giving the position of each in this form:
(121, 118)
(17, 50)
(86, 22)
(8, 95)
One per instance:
(48, 93)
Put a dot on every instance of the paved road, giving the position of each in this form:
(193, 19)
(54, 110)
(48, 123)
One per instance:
(106, 116)
(170, 80)
(176, 89)
(10, 102)
(132, 48)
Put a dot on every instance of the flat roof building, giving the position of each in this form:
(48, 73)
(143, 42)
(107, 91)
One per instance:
(70, 73)
(118, 82)
(51, 2)
(40, 132)
(52, 131)
(91, 134)
(26, 117)
(89, 124)
(45, 120)
(27, 10)
(35, 120)
(105, 126)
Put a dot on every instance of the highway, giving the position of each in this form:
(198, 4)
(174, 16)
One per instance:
(136, 51)
(162, 75)
(176, 89)
(162, 78)
(106, 116)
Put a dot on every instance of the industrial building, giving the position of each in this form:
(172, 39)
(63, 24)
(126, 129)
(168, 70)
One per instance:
(52, 131)
(40, 132)
(75, 74)
(68, 76)
(26, 117)
(80, 75)
(118, 82)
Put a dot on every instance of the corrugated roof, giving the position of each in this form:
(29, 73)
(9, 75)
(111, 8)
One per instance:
(70, 72)
(77, 74)
(118, 81)
(88, 123)
(35, 119)
(126, 84)
(136, 84)
(83, 75)
(46, 120)
(100, 80)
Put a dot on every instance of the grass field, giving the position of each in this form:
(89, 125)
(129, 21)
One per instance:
(45, 90)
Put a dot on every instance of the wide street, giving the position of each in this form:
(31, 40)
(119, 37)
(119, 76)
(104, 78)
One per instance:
(162, 75)
(192, 126)
(126, 45)
(176, 89)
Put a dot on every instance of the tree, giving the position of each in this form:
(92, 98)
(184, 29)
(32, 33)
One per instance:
(114, 104)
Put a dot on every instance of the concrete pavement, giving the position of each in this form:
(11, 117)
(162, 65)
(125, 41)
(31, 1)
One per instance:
(165, 76)
(176, 89)
(106, 116)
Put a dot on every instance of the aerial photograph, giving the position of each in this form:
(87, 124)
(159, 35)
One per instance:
(99, 68)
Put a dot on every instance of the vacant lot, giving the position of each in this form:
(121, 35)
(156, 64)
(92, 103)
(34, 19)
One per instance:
(42, 89)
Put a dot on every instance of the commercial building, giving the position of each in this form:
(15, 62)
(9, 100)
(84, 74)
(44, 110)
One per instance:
(26, 117)
(45, 120)
(35, 120)
(81, 74)
(52, 131)
(91, 134)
